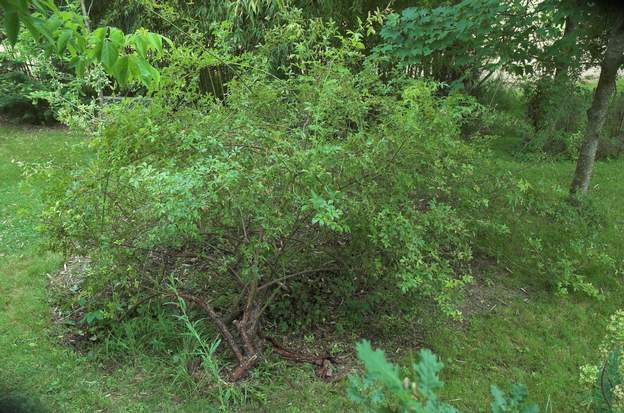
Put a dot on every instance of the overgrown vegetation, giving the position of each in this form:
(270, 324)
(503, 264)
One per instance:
(267, 194)
(268, 183)
(17, 87)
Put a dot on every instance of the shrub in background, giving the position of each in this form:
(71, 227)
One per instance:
(40, 89)
(612, 143)
(17, 85)
(557, 110)
(461, 44)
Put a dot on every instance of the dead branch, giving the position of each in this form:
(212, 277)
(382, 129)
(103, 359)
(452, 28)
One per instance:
(324, 362)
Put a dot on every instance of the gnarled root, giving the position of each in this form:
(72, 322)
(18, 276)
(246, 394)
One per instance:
(325, 363)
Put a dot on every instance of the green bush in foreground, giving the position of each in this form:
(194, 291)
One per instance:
(605, 381)
(291, 195)
(381, 389)
(307, 188)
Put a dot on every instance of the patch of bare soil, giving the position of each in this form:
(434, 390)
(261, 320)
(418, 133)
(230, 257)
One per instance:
(487, 293)
(62, 285)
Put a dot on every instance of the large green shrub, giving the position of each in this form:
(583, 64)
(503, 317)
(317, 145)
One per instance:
(290, 194)
(329, 176)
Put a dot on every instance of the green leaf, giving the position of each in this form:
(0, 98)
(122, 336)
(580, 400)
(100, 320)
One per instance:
(428, 369)
(166, 40)
(377, 365)
(109, 55)
(11, 25)
(155, 42)
(117, 37)
(499, 404)
(148, 73)
(97, 39)
(142, 70)
(53, 23)
(121, 70)
(38, 28)
(140, 45)
(81, 67)
(64, 37)
(515, 403)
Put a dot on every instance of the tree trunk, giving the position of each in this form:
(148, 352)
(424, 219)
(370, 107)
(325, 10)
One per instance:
(85, 14)
(597, 114)
(87, 22)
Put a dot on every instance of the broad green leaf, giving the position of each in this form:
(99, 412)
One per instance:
(53, 23)
(81, 67)
(142, 70)
(121, 70)
(109, 54)
(97, 40)
(99, 33)
(140, 45)
(155, 42)
(64, 37)
(117, 37)
(38, 28)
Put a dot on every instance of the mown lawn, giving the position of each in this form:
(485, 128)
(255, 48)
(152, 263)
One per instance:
(516, 333)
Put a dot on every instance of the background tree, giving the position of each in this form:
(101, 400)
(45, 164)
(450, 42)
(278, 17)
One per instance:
(66, 33)
(612, 61)
(464, 44)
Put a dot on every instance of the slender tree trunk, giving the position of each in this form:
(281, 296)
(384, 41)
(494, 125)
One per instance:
(85, 15)
(597, 114)
(87, 22)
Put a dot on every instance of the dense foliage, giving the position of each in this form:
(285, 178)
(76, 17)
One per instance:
(66, 33)
(17, 85)
(269, 171)
(557, 112)
(329, 177)
(286, 196)
(462, 43)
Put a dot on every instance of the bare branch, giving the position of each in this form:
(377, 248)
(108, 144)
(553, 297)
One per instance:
(217, 320)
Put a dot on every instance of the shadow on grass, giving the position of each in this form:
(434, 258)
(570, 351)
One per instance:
(15, 402)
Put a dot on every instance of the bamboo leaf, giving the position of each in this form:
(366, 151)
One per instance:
(11, 25)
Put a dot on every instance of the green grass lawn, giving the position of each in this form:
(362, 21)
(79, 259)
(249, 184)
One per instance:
(518, 334)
